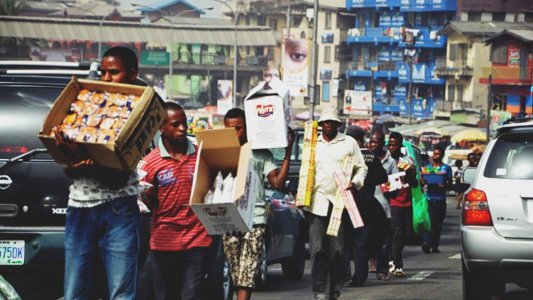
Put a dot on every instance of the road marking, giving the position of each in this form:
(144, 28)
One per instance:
(456, 256)
(421, 275)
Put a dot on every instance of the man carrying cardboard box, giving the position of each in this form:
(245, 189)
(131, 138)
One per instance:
(243, 250)
(102, 214)
(179, 242)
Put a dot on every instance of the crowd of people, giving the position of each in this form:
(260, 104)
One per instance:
(104, 217)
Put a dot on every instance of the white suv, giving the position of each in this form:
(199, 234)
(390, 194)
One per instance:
(497, 218)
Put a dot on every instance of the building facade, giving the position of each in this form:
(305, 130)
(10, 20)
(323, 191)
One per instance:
(396, 45)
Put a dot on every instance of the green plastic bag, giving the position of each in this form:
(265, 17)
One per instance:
(7, 292)
(421, 222)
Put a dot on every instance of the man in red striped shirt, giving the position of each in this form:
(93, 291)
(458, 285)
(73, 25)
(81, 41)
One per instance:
(179, 243)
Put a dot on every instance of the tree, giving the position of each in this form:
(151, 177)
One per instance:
(11, 7)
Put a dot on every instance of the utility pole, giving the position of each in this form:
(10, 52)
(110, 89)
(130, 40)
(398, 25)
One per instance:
(314, 51)
(410, 88)
(289, 19)
(489, 106)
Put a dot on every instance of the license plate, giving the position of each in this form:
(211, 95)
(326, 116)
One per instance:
(11, 252)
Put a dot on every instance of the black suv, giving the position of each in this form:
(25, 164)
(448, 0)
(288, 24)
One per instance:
(33, 188)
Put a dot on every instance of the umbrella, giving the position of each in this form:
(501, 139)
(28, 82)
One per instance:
(430, 131)
(470, 134)
(305, 115)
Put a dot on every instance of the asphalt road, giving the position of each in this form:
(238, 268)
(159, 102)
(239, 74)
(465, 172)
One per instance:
(428, 276)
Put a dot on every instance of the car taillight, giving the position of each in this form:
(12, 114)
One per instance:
(476, 208)
(13, 149)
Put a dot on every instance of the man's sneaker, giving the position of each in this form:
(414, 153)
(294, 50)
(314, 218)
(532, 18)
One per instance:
(391, 266)
(383, 277)
(425, 247)
(398, 272)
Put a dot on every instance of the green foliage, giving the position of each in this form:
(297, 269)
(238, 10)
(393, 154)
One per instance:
(11, 7)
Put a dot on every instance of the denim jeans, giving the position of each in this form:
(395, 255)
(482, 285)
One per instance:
(327, 257)
(437, 214)
(359, 238)
(179, 274)
(401, 218)
(111, 229)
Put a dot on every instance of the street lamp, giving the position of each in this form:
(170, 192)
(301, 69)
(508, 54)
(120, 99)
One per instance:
(166, 18)
(235, 50)
(99, 26)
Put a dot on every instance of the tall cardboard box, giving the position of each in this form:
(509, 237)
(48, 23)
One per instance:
(268, 113)
(133, 140)
(219, 150)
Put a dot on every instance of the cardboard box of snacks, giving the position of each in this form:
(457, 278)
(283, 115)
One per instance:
(268, 113)
(219, 151)
(112, 123)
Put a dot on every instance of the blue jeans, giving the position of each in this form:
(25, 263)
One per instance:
(112, 229)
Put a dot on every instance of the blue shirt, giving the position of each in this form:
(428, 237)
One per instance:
(433, 191)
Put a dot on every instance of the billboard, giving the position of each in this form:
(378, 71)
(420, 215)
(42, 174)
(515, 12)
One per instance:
(224, 96)
(357, 103)
(296, 66)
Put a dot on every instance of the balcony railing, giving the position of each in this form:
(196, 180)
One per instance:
(511, 75)
(459, 69)
(217, 59)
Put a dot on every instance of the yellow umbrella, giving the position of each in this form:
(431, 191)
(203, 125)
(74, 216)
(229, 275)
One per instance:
(470, 134)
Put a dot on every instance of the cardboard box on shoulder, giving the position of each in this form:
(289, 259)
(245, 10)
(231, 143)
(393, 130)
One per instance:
(134, 137)
(219, 150)
(268, 113)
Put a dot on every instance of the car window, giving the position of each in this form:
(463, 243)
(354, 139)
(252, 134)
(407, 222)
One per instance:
(22, 112)
(511, 157)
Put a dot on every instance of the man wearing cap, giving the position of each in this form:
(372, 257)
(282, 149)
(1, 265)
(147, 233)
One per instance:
(327, 252)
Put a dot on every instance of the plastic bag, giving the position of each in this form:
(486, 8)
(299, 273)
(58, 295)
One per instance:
(421, 222)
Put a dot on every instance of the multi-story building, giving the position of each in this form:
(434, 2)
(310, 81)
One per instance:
(510, 77)
(467, 60)
(396, 46)
(332, 27)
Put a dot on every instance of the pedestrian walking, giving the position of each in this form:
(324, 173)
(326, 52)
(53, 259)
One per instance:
(327, 252)
(377, 146)
(103, 217)
(436, 197)
(364, 241)
(244, 250)
(179, 243)
(400, 202)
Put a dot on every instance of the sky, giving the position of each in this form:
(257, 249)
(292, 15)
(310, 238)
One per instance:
(215, 13)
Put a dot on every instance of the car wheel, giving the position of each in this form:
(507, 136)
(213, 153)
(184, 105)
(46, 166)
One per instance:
(294, 266)
(473, 285)
(261, 278)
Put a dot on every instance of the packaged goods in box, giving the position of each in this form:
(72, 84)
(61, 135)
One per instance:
(219, 151)
(434, 178)
(112, 123)
(267, 108)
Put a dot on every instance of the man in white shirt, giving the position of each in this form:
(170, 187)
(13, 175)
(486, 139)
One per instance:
(327, 252)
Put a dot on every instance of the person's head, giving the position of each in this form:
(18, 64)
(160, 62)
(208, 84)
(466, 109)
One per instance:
(459, 163)
(472, 159)
(330, 122)
(235, 118)
(119, 65)
(174, 128)
(395, 144)
(377, 142)
(358, 133)
(438, 154)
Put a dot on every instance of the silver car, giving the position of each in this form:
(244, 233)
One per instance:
(497, 216)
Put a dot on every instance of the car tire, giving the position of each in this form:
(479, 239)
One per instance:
(261, 277)
(293, 268)
(474, 288)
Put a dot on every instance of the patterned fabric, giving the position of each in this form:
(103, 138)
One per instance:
(175, 227)
(90, 192)
(243, 252)
(403, 196)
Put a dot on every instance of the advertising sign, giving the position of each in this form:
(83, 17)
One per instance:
(357, 103)
(155, 58)
(296, 66)
(224, 96)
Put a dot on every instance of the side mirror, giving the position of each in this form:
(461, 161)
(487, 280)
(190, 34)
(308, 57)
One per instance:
(469, 174)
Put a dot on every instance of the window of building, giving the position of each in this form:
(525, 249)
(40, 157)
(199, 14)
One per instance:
(498, 17)
(273, 23)
(325, 91)
(247, 20)
(459, 93)
(451, 93)
(486, 16)
(328, 20)
(261, 20)
(327, 54)
(520, 17)
(453, 52)
(498, 54)
(474, 16)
